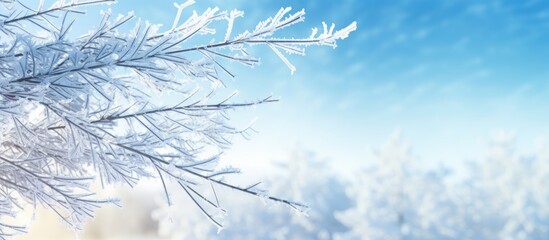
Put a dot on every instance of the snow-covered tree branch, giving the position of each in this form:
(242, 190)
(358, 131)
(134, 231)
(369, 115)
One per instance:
(302, 176)
(76, 109)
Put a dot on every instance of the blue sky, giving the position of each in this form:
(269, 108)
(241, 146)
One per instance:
(448, 74)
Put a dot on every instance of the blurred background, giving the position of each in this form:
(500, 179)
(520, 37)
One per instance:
(428, 122)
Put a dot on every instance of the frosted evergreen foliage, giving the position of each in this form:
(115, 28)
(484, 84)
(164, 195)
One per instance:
(73, 110)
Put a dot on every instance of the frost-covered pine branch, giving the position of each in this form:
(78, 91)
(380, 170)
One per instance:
(73, 110)
(302, 177)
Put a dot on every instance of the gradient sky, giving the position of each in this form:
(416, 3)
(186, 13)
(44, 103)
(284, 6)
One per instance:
(448, 74)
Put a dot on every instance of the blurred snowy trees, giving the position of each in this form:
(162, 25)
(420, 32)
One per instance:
(504, 196)
(394, 199)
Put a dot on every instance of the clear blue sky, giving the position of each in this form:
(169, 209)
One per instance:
(447, 73)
